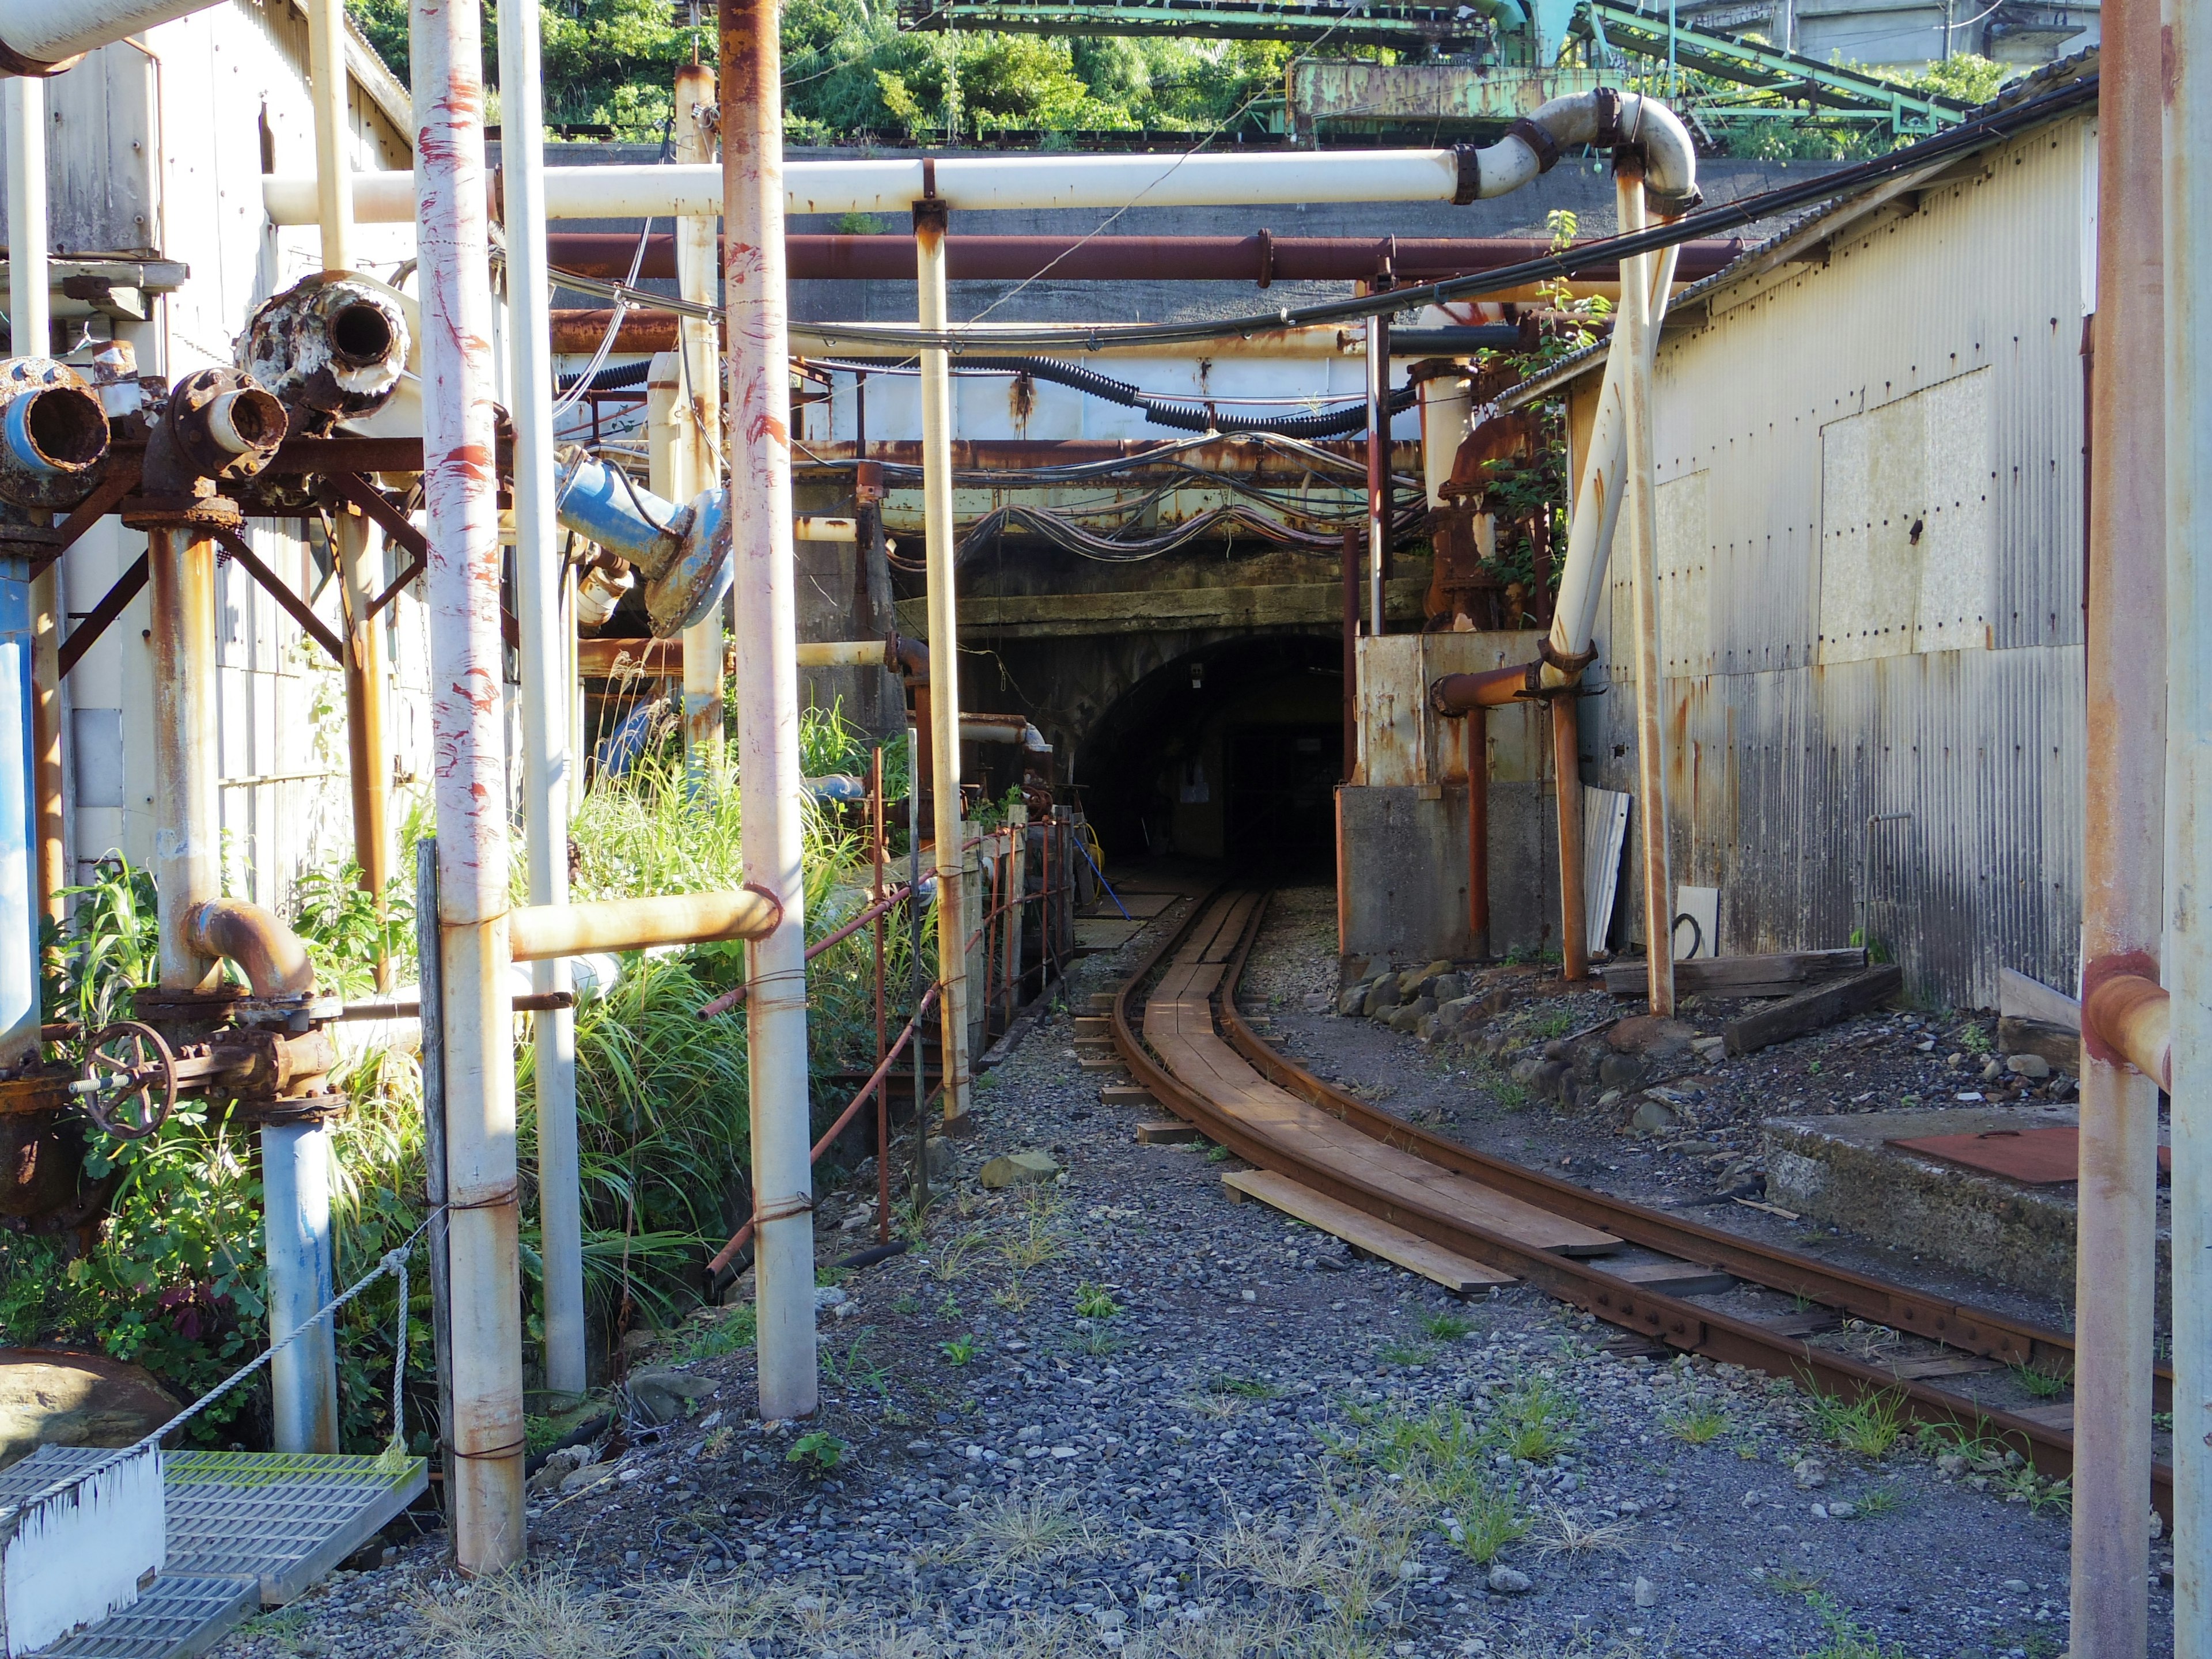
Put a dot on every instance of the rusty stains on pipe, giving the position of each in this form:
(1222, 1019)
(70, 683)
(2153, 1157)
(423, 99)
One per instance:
(1455, 694)
(538, 931)
(276, 963)
(2127, 1016)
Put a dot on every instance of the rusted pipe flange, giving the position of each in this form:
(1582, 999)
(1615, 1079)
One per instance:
(323, 1108)
(205, 513)
(218, 423)
(54, 435)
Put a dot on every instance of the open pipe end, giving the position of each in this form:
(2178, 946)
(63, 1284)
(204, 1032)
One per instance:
(246, 422)
(62, 429)
(2127, 1016)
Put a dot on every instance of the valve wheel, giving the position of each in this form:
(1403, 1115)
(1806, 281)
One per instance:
(130, 1079)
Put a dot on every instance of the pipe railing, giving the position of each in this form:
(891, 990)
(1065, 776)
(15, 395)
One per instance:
(539, 932)
(732, 997)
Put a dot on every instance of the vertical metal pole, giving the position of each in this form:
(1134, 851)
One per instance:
(767, 694)
(1640, 510)
(327, 73)
(548, 741)
(699, 425)
(29, 317)
(49, 831)
(180, 605)
(19, 924)
(1378, 468)
(459, 462)
(882, 1085)
(944, 658)
(359, 553)
(2187, 96)
(916, 980)
(1350, 768)
(1567, 806)
(2123, 855)
(295, 1203)
(430, 979)
(1477, 833)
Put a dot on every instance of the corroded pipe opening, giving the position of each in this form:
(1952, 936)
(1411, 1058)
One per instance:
(246, 421)
(64, 428)
(1454, 694)
(361, 335)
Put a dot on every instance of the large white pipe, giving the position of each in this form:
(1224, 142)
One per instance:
(326, 37)
(2187, 97)
(296, 1205)
(698, 426)
(765, 583)
(981, 183)
(1636, 327)
(485, 1436)
(40, 37)
(29, 311)
(547, 751)
(940, 547)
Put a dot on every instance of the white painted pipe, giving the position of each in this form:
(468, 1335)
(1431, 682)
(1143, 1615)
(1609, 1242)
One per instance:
(940, 547)
(41, 37)
(2187, 101)
(1447, 402)
(484, 1471)
(983, 183)
(29, 306)
(816, 528)
(327, 71)
(698, 427)
(1635, 326)
(765, 584)
(548, 747)
(846, 653)
(295, 1203)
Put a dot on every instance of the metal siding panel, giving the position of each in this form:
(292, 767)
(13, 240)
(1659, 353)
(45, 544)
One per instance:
(1779, 764)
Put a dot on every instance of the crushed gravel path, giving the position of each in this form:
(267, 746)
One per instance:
(1115, 1413)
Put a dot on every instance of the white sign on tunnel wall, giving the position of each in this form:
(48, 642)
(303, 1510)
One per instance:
(1905, 542)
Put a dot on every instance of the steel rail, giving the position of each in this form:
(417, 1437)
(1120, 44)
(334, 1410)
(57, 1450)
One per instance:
(1673, 1321)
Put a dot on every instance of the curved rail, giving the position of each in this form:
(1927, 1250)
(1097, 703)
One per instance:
(1674, 1320)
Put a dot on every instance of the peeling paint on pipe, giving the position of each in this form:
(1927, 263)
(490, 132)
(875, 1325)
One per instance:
(537, 932)
(273, 960)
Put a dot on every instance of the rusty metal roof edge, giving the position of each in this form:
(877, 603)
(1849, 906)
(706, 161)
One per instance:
(1816, 224)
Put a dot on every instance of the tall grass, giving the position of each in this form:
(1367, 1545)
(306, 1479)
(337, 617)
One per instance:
(176, 1282)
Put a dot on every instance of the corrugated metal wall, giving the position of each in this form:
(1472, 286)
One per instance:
(1862, 461)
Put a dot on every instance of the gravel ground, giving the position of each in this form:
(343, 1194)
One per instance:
(1114, 1413)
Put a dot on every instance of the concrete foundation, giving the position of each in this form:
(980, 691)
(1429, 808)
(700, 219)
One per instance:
(1841, 1171)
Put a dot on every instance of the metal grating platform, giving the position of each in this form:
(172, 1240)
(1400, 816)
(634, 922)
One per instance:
(245, 1528)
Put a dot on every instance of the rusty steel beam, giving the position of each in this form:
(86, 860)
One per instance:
(1260, 260)
(1672, 1319)
(112, 603)
(234, 547)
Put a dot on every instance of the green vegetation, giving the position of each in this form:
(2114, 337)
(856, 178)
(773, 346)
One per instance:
(1446, 1327)
(1697, 1422)
(1845, 1638)
(1869, 1426)
(959, 1351)
(1091, 1302)
(1244, 1388)
(2044, 1385)
(817, 1453)
(1404, 1353)
(176, 1281)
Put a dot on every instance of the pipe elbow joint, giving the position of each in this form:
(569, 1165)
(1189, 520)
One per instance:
(219, 423)
(913, 659)
(1532, 145)
(274, 960)
(686, 591)
(332, 348)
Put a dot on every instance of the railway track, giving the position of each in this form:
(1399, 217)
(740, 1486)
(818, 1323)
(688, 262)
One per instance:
(1644, 1271)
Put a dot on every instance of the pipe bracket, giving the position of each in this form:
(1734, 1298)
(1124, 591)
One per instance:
(1541, 144)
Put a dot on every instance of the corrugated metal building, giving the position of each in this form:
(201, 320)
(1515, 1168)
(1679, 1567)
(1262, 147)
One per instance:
(1870, 443)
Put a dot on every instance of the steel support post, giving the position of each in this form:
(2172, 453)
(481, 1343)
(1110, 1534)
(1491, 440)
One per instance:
(295, 1201)
(1378, 470)
(19, 899)
(548, 746)
(359, 554)
(2187, 129)
(698, 425)
(50, 829)
(2123, 856)
(765, 574)
(1567, 804)
(1640, 510)
(944, 658)
(30, 331)
(484, 1493)
(327, 73)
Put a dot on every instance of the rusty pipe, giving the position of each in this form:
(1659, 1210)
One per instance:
(911, 657)
(187, 868)
(1001, 728)
(273, 960)
(1262, 258)
(1477, 833)
(538, 933)
(2127, 1017)
(53, 435)
(332, 347)
(218, 423)
(1455, 694)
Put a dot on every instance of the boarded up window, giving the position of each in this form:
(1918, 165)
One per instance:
(1904, 524)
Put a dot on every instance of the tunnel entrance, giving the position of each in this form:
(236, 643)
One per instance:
(1230, 753)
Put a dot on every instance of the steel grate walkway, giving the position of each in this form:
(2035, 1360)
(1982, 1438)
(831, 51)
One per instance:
(246, 1529)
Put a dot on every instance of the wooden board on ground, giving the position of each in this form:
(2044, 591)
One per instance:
(2019, 997)
(1813, 1011)
(1095, 934)
(2051, 1417)
(1670, 1278)
(1943, 1364)
(1780, 975)
(1364, 1231)
(1166, 1132)
(1126, 1094)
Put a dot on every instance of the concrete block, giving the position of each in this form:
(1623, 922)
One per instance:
(1841, 1170)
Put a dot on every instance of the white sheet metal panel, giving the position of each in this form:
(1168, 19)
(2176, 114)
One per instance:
(1935, 348)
